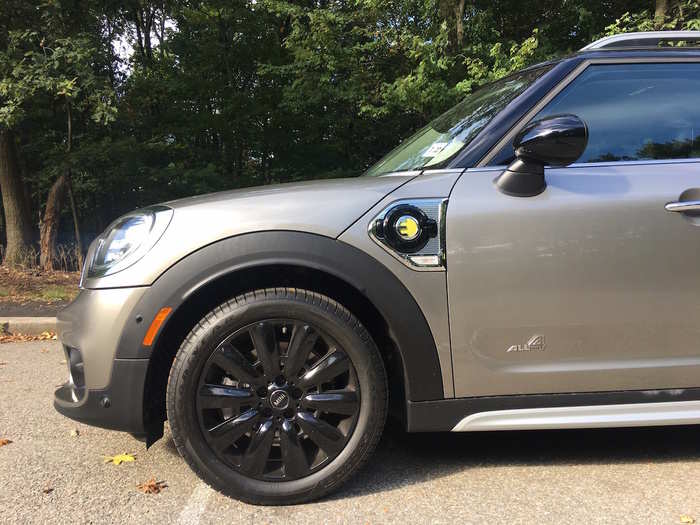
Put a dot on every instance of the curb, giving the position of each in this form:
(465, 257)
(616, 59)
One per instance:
(27, 325)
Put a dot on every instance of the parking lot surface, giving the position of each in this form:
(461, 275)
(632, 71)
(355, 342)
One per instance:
(48, 474)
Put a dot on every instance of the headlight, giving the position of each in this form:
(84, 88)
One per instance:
(126, 240)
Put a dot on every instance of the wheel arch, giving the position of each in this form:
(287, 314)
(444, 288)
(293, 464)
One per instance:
(224, 269)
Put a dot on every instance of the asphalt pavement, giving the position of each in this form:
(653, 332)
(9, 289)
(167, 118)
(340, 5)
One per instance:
(50, 475)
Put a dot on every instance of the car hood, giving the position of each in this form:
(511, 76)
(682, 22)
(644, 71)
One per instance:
(325, 207)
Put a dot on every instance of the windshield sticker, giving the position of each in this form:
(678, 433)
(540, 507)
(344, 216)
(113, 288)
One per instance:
(446, 153)
(434, 149)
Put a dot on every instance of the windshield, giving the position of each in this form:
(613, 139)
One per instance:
(439, 141)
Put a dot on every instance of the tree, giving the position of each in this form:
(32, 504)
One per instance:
(216, 94)
(14, 202)
(60, 73)
(667, 15)
(16, 206)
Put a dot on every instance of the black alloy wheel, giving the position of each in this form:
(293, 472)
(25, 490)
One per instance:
(277, 396)
(278, 399)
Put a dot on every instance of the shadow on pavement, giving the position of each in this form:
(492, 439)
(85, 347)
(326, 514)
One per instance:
(405, 459)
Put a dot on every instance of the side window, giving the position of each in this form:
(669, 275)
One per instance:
(633, 112)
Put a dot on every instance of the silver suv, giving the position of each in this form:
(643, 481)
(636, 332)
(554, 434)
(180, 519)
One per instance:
(529, 260)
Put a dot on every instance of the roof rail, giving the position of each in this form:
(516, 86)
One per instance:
(647, 39)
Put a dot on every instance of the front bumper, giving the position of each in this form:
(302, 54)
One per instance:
(101, 390)
(119, 406)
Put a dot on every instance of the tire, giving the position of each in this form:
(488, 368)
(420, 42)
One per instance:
(277, 396)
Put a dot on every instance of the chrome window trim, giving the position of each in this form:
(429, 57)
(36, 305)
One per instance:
(441, 171)
(407, 173)
(562, 85)
(610, 163)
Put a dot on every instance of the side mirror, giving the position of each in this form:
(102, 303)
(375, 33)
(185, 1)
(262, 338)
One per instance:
(555, 141)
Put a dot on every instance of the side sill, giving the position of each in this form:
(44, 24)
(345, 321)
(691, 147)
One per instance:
(601, 416)
(566, 410)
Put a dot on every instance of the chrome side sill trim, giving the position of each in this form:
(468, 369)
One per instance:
(601, 416)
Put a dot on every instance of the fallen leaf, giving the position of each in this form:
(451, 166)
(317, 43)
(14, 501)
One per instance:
(4, 441)
(48, 490)
(120, 458)
(687, 519)
(75, 432)
(151, 486)
(44, 350)
(21, 338)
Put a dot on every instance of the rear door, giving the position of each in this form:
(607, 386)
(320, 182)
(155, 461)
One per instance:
(592, 285)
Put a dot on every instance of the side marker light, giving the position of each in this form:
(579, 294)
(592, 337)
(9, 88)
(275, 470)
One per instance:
(158, 320)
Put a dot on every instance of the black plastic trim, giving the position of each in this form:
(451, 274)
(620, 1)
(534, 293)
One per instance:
(116, 407)
(442, 416)
(407, 324)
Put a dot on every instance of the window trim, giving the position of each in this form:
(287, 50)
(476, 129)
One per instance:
(525, 119)
(606, 164)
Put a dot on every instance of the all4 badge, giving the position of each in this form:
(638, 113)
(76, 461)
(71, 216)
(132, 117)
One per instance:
(536, 342)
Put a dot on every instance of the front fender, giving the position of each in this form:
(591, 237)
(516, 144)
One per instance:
(407, 324)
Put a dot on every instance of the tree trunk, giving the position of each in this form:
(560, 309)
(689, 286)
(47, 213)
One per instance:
(69, 147)
(50, 223)
(2, 227)
(18, 225)
(459, 20)
(660, 13)
(452, 11)
(76, 226)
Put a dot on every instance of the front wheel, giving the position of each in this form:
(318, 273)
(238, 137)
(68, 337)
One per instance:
(277, 396)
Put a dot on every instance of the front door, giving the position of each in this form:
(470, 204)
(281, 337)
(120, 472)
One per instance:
(592, 285)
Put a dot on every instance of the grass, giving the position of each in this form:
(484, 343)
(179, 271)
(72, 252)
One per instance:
(52, 294)
(20, 286)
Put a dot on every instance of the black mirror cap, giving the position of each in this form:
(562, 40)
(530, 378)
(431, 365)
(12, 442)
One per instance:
(558, 140)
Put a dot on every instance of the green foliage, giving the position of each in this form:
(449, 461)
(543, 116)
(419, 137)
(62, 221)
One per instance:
(216, 94)
(33, 68)
(684, 14)
(500, 63)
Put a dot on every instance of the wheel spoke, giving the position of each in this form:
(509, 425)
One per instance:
(302, 341)
(223, 396)
(333, 401)
(232, 361)
(258, 451)
(327, 437)
(295, 463)
(327, 369)
(229, 431)
(265, 342)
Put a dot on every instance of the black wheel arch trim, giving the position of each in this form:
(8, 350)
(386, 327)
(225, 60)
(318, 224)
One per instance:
(408, 326)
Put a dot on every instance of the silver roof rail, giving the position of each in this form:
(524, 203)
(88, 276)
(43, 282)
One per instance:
(644, 39)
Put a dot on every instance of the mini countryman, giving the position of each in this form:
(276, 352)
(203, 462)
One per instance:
(529, 260)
